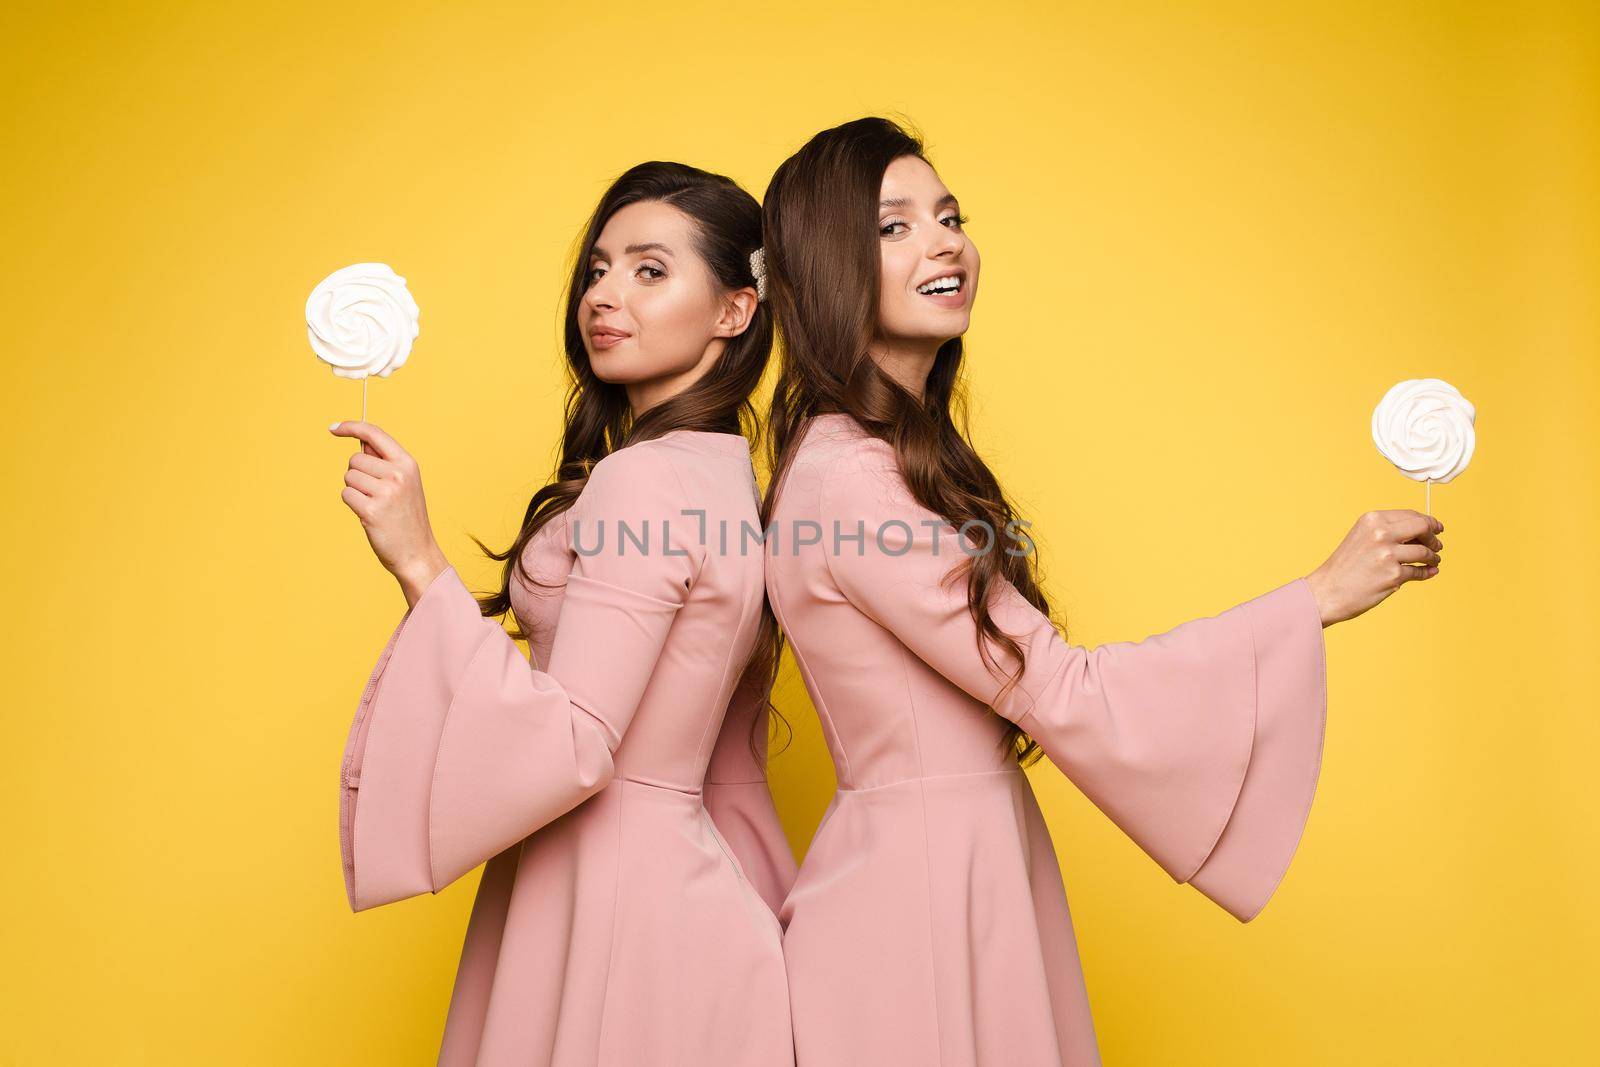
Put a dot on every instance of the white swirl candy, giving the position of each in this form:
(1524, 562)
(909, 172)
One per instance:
(1424, 426)
(361, 320)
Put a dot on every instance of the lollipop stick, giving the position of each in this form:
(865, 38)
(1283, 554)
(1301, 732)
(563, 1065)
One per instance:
(363, 400)
(1428, 506)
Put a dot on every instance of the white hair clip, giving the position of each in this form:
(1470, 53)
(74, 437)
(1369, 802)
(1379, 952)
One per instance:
(758, 268)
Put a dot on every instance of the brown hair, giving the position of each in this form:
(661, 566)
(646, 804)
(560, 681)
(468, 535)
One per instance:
(823, 266)
(598, 420)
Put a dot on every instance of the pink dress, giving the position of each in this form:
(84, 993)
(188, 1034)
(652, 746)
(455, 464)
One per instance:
(929, 924)
(635, 860)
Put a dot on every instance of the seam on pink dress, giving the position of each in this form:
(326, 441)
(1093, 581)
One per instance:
(927, 845)
(654, 600)
(705, 733)
(1014, 769)
(1255, 718)
(1322, 689)
(822, 492)
(821, 706)
(539, 592)
(684, 790)
(716, 835)
(355, 745)
(916, 737)
(823, 714)
(438, 752)
(927, 886)
(607, 731)
(616, 895)
(622, 805)
(683, 493)
(1044, 686)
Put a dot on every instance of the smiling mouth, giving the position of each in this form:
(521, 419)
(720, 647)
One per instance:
(950, 283)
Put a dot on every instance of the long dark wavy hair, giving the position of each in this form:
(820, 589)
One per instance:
(726, 221)
(823, 267)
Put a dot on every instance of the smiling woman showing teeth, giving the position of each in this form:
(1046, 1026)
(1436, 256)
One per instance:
(929, 925)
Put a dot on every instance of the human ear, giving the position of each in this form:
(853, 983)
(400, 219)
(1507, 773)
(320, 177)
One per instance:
(738, 311)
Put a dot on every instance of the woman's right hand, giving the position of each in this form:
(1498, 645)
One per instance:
(383, 486)
(1382, 551)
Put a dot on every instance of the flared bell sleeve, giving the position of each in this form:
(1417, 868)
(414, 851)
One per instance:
(459, 748)
(739, 799)
(1203, 743)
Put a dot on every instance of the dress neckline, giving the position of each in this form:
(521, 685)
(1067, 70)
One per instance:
(726, 442)
(835, 419)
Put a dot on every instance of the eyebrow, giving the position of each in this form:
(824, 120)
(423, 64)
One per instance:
(648, 246)
(905, 201)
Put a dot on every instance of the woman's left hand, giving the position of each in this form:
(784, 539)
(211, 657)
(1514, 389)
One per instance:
(383, 486)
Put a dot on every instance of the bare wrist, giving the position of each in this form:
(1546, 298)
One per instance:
(1314, 581)
(416, 576)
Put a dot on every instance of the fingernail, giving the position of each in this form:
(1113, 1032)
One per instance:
(333, 425)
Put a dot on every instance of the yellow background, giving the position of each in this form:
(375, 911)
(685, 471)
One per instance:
(1213, 235)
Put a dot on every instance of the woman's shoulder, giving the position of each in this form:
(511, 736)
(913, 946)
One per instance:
(675, 453)
(638, 472)
(835, 443)
(845, 448)
(860, 473)
(701, 471)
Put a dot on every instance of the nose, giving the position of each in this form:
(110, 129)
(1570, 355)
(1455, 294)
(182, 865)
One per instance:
(946, 243)
(602, 295)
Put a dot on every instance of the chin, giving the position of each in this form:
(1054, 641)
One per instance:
(613, 369)
(938, 326)
(946, 331)
(629, 369)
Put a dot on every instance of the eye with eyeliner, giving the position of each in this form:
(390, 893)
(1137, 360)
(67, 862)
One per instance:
(596, 271)
(884, 228)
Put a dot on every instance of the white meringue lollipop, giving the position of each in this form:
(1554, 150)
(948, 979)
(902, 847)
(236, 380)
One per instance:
(361, 321)
(1424, 426)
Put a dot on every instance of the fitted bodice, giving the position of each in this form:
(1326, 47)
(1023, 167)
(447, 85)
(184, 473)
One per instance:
(673, 733)
(547, 557)
(886, 714)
